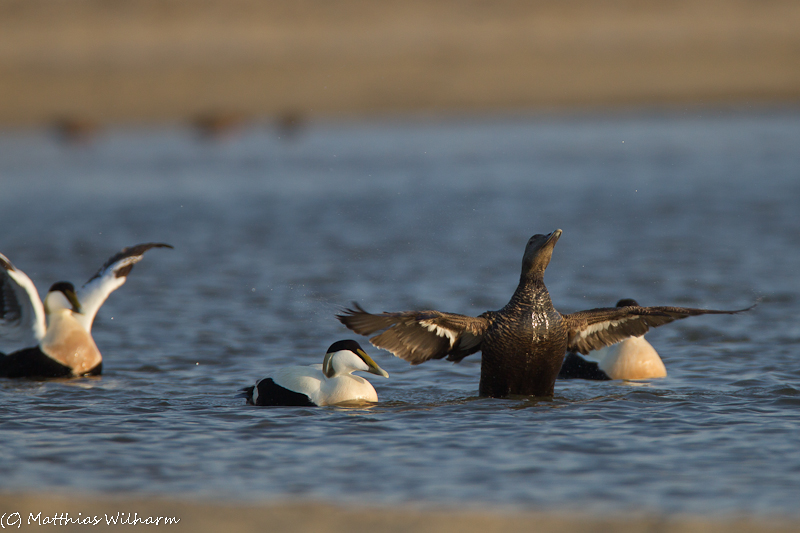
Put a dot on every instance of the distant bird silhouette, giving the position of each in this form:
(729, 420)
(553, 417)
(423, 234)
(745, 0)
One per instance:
(214, 125)
(290, 123)
(523, 343)
(75, 130)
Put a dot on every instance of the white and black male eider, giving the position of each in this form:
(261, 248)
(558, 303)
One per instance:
(58, 331)
(523, 343)
(330, 383)
(632, 358)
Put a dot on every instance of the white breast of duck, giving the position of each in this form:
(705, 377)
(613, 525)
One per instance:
(66, 340)
(633, 358)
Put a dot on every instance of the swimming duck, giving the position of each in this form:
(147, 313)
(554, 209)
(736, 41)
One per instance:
(632, 358)
(330, 383)
(58, 331)
(524, 343)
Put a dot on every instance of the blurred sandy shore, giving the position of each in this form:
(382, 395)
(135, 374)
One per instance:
(153, 60)
(275, 517)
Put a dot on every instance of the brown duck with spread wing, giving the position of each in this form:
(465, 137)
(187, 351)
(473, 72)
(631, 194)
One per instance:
(524, 343)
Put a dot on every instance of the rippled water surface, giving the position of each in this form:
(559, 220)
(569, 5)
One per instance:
(273, 235)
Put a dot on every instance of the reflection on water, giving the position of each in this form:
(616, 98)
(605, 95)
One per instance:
(273, 237)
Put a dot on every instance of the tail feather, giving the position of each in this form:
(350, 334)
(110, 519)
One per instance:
(247, 393)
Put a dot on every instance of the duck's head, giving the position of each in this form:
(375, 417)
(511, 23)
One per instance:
(344, 357)
(538, 253)
(627, 302)
(61, 296)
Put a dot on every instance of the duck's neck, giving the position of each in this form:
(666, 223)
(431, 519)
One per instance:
(67, 342)
(531, 293)
(337, 374)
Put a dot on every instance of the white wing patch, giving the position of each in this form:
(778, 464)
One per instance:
(254, 399)
(439, 331)
(110, 277)
(27, 328)
(94, 294)
(600, 326)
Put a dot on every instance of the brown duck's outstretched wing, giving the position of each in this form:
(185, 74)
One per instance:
(596, 328)
(418, 336)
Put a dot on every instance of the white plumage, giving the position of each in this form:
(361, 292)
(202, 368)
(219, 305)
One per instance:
(633, 358)
(55, 336)
(330, 383)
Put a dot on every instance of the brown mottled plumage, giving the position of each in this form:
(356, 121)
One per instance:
(524, 343)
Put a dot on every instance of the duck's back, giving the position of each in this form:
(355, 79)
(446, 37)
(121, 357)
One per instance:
(303, 379)
(633, 358)
(311, 381)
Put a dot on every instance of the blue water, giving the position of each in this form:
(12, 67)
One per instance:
(273, 235)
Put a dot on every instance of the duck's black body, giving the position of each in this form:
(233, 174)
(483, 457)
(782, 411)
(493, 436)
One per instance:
(270, 393)
(523, 346)
(33, 363)
(523, 343)
(576, 367)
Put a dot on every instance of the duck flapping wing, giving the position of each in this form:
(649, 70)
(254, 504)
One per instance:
(418, 336)
(596, 328)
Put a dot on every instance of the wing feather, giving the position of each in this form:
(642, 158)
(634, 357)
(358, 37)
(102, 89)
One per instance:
(418, 336)
(110, 277)
(22, 320)
(595, 328)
